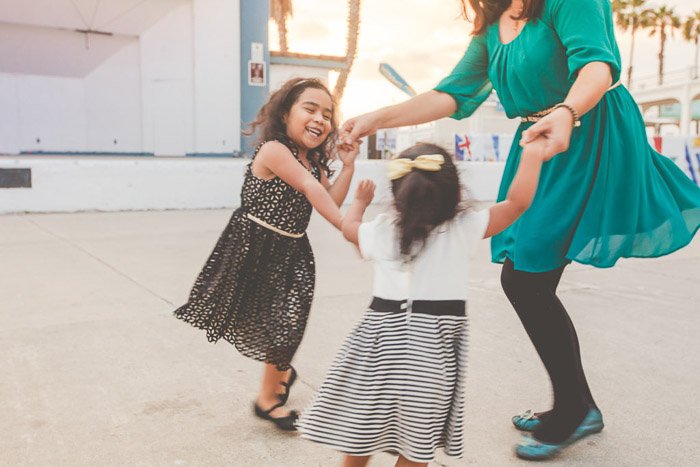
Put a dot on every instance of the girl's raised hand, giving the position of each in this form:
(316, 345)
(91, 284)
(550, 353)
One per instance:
(365, 192)
(347, 153)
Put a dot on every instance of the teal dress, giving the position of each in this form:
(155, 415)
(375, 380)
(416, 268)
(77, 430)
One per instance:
(610, 195)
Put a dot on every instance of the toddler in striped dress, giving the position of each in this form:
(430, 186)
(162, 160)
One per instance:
(397, 383)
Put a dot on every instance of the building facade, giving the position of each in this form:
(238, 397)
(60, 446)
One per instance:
(114, 77)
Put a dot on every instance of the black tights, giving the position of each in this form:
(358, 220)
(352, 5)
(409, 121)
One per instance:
(533, 295)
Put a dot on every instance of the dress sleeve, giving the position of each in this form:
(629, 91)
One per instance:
(585, 28)
(469, 84)
(367, 236)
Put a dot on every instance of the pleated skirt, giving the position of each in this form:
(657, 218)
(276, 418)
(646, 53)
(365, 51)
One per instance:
(396, 386)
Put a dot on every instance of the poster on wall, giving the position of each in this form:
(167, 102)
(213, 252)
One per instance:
(256, 73)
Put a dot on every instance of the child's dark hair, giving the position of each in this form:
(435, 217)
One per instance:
(425, 199)
(269, 123)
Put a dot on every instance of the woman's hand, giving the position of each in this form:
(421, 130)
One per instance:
(365, 192)
(347, 153)
(555, 128)
(358, 127)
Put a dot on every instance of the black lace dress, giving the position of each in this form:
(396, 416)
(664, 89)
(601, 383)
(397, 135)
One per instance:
(256, 288)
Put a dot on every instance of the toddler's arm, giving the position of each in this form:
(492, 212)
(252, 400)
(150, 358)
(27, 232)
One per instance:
(339, 188)
(352, 220)
(522, 190)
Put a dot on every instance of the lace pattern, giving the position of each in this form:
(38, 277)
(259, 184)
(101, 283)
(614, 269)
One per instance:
(256, 288)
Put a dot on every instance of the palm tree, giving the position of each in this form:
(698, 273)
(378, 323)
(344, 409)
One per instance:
(691, 32)
(629, 14)
(661, 21)
(281, 11)
(350, 48)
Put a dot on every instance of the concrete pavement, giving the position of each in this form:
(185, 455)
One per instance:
(96, 371)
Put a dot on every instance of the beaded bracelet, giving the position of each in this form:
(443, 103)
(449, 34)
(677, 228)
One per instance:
(574, 114)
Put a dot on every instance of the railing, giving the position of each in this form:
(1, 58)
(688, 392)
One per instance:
(680, 76)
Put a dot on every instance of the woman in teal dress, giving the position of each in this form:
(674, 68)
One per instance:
(607, 195)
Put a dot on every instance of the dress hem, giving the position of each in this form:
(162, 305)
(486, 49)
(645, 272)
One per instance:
(374, 452)
(232, 341)
(597, 264)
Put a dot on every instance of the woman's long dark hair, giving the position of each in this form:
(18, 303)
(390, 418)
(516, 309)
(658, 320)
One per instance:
(269, 123)
(425, 199)
(487, 12)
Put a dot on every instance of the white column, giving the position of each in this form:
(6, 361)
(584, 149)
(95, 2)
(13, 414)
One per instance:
(217, 76)
(686, 110)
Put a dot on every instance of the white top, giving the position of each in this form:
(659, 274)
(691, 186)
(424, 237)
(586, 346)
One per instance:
(441, 269)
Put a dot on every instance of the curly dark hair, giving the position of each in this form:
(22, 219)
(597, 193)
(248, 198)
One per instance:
(487, 12)
(424, 200)
(269, 124)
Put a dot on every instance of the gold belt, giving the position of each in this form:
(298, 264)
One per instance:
(537, 116)
(273, 228)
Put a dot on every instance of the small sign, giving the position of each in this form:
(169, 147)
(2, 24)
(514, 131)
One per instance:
(256, 52)
(256, 73)
(386, 140)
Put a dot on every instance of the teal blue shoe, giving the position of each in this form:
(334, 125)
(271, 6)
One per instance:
(526, 421)
(532, 449)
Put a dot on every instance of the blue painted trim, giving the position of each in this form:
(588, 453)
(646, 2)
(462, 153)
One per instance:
(254, 16)
(230, 155)
(86, 153)
(308, 62)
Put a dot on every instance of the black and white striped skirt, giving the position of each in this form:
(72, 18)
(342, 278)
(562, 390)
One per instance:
(397, 384)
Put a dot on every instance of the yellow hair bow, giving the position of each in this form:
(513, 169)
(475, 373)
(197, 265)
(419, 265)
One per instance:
(429, 163)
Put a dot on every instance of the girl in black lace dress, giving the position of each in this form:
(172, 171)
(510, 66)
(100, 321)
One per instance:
(256, 288)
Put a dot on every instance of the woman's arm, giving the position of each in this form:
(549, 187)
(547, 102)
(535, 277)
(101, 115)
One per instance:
(279, 160)
(423, 108)
(457, 95)
(590, 86)
(339, 189)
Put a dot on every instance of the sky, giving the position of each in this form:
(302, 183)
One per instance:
(423, 40)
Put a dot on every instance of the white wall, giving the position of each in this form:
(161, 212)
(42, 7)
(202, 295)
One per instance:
(65, 184)
(52, 110)
(137, 183)
(74, 114)
(172, 88)
(113, 103)
(168, 84)
(217, 76)
(68, 184)
(9, 114)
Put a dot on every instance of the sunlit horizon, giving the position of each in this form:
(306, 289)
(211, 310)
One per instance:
(423, 43)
